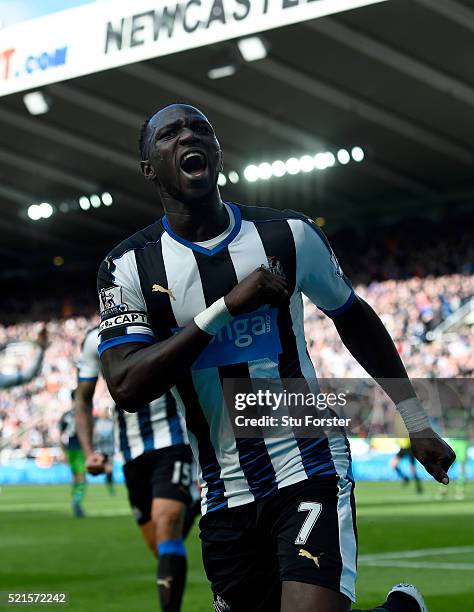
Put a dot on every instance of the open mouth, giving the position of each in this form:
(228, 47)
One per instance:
(194, 163)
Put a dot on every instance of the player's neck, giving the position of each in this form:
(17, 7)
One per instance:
(197, 221)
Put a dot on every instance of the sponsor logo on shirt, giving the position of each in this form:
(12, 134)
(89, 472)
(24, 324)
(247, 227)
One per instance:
(247, 337)
(163, 290)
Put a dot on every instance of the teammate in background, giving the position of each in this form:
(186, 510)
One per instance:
(75, 457)
(104, 443)
(21, 378)
(157, 468)
(278, 525)
(406, 451)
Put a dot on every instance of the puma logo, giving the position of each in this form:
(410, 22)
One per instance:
(305, 553)
(166, 582)
(163, 290)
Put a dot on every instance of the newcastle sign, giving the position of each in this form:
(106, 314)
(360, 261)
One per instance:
(111, 33)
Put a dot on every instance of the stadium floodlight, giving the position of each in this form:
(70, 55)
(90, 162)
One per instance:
(307, 163)
(330, 159)
(221, 180)
(107, 199)
(46, 210)
(278, 168)
(224, 63)
(84, 203)
(251, 173)
(233, 177)
(357, 154)
(64, 207)
(34, 212)
(252, 48)
(37, 103)
(221, 72)
(343, 157)
(292, 165)
(264, 171)
(95, 201)
(320, 161)
(40, 211)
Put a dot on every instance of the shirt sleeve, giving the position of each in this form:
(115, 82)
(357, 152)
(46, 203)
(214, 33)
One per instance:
(89, 362)
(318, 273)
(123, 311)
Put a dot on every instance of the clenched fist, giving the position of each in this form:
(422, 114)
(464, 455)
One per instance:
(95, 463)
(433, 453)
(259, 288)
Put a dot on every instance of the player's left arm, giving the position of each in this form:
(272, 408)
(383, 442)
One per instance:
(366, 337)
(320, 277)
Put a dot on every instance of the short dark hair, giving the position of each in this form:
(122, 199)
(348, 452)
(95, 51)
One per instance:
(142, 140)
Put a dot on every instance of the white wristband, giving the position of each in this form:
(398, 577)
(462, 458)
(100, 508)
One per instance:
(413, 415)
(213, 318)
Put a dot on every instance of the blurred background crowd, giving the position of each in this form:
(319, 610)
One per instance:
(427, 277)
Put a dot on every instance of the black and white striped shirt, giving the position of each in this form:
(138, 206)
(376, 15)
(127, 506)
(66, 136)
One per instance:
(156, 282)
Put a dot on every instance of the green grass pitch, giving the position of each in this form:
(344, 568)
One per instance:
(104, 565)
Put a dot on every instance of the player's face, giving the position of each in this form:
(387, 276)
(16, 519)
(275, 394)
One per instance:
(184, 155)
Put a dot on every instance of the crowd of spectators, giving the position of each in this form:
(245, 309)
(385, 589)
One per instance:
(410, 310)
(415, 277)
(29, 414)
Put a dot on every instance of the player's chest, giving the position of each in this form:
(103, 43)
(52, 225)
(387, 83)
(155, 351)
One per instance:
(177, 289)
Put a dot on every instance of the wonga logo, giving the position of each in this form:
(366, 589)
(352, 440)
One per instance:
(242, 331)
(246, 338)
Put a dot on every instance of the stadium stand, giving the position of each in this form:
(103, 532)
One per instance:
(412, 298)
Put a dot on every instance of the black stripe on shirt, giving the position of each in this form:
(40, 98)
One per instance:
(152, 271)
(277, 239)
(218, 277)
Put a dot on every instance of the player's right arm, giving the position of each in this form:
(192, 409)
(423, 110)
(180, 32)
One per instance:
(136, 368)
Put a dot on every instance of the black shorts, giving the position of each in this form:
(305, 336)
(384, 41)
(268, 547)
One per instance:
(305, 533)
(165, 473)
